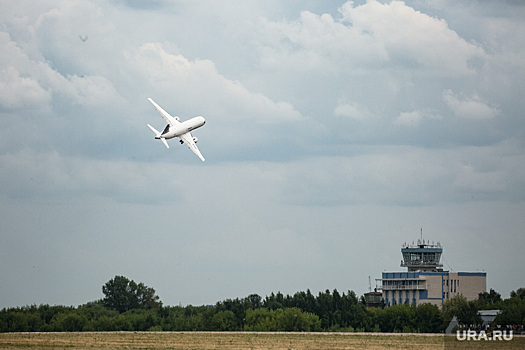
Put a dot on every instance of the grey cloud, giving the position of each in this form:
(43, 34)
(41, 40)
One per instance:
(327, 124)
(469, 107)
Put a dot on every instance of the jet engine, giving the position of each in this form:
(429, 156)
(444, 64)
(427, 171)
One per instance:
(195, 139)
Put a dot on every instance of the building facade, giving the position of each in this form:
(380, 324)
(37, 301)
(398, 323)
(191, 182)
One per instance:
(425, 281)
(373, 299)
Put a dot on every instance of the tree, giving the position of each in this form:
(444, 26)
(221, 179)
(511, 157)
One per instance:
(224, 321)
(512, 311)
(401, 318)
(429, 318)
(468, 314)
(452, 307)
(288, 320)
(486, 300)
(519, 293)
(465, 311)
(123, 295)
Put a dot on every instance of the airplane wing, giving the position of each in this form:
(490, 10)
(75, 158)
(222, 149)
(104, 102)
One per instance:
(171, 120)
(188, 139)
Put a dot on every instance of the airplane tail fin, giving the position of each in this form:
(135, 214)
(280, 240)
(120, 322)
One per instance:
(157, 136)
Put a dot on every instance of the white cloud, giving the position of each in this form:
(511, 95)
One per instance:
(318, 42)
(409, 118)
(411, 38)
(17, 91)
(198, 83)
(352, 111)
(414, 118)
(368, 36)
(19, 85)
(28, 82)
(87, 91)
(469, 107)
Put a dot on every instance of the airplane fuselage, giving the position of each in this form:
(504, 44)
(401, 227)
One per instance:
(176, 128)
(172, 131)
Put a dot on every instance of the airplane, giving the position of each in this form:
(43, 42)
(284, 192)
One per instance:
(176, 128)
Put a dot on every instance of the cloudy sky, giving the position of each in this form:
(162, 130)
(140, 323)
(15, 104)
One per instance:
(335, 131)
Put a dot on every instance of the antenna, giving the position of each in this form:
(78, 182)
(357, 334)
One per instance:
(421, 233)
(369, 284)
(450, 267)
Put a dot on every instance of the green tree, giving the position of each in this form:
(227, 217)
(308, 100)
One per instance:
(465, 311)
(69, 321)
(122, 295)
(486, 300)
(294, 320)
(468, 314)
(401, 318)
(274, 302)
(512, 312)
(452, 307)
(289, 320)
(224, 321)
(238, 307)
(519, 293)
(253, 301)
(429, 318)
(261, 320)
(17, 322)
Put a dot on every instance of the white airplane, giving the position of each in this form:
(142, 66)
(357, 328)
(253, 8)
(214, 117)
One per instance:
(176, 128)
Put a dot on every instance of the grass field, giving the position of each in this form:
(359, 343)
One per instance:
(242, 340)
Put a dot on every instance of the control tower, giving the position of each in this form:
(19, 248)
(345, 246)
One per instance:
(425, 281)
(422, 256)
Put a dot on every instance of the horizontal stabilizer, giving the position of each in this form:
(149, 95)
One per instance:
(158, 136)
(157, 133)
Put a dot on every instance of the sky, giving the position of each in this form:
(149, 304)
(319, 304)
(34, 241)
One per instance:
(335, 131)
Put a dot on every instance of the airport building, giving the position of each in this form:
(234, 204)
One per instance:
(425, 281)
(373, 299)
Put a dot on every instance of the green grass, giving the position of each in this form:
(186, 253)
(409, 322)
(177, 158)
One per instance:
(242, 340)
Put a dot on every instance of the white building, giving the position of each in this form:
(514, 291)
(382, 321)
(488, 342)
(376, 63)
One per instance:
(425, 281)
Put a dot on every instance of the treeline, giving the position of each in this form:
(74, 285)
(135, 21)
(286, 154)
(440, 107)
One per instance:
(128, 306)
(328, 311)
(512, 310)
